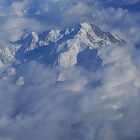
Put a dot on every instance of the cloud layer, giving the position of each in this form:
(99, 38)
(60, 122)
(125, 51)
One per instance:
(80, 108)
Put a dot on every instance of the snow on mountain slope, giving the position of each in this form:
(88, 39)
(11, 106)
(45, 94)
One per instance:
(58, 47)
(7, 54)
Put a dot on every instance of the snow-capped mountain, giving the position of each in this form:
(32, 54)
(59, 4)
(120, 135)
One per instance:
(73, 46)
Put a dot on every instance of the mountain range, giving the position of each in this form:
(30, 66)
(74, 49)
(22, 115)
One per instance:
(64, 49)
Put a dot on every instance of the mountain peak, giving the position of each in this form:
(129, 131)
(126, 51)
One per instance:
(61, 47)
(86, 25)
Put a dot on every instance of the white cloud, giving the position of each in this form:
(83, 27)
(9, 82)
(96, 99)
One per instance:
(18, 8)
(74, 109)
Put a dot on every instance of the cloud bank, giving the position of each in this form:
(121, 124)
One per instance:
(100, 106)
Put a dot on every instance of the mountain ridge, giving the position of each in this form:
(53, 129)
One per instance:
(61, 48)
(83, 31)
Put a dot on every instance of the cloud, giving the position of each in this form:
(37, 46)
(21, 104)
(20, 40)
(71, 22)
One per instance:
(13, 28)
(18, 8)
(74, 109)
